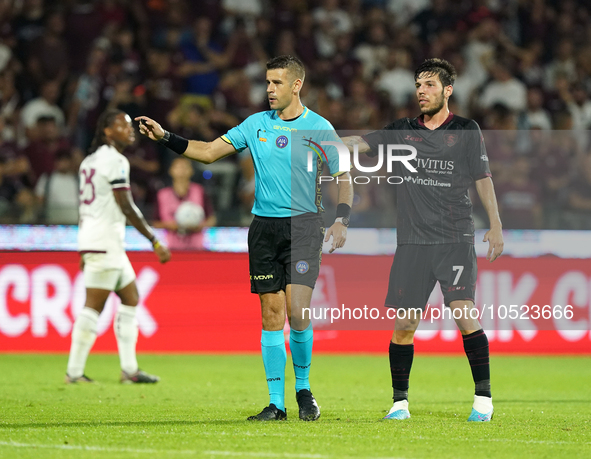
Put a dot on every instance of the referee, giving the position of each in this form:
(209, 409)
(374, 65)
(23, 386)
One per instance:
(435, 227)
(285, 238)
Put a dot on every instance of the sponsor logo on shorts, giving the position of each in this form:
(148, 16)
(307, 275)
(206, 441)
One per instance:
(262, 277)
(302, 267)
(273, 379)
(281, 141)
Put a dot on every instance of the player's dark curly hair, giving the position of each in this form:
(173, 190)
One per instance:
(291, 63)
(444, 70)
(105, 120)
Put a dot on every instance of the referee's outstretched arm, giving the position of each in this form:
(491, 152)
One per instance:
(204, 152)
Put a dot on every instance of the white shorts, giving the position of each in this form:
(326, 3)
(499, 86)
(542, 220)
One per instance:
(96, 276)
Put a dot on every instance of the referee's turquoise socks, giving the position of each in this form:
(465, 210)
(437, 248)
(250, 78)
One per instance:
(300, 344)
(274, 358)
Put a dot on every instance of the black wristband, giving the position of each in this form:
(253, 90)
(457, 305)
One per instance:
(174, 142)
(343, 210)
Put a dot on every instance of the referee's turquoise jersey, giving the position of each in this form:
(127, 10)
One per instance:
(288, 158)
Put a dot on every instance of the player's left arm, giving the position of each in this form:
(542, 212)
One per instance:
(125, 202)
(338, 231)
(494, 236)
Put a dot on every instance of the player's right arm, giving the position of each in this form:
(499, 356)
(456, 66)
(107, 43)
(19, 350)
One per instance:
(125, 202)
(204, 152)
(353, 140)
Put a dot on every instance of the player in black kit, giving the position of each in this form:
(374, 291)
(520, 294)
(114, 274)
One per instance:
(435, 227)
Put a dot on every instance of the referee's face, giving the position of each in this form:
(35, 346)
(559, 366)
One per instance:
(280, 89)
(431, 94)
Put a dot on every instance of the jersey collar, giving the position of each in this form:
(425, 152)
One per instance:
(422, 122)
(301, 115)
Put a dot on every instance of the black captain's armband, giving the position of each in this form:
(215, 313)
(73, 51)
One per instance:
(174, 142)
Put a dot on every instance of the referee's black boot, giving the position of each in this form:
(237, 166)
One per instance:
(269, 413)
(309, 410)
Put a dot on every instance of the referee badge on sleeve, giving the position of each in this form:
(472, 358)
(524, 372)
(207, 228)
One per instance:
(302, 267)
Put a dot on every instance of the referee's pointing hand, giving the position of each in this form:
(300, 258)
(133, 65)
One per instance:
(150, 128)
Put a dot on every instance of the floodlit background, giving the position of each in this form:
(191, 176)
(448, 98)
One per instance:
(198, 67)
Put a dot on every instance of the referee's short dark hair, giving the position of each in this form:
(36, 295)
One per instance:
(443, 69)
(291, 63)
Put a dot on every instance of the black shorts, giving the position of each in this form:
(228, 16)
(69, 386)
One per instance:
(417, 268)
(283, 251)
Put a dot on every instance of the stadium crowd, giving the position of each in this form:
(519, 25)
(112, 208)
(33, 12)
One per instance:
(524, 73)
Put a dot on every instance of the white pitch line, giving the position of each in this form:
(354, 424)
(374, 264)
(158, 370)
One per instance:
(160, 451)
(543, 442)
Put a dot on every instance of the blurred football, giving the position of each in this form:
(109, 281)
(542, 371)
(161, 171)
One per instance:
(189, 214)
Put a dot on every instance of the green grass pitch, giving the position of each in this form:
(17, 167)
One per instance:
(542, 409)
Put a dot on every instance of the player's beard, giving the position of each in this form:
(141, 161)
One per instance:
(439, 104)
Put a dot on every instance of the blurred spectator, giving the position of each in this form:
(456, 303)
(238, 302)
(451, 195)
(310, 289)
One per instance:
(28, 25)
(578, 104)
(398, 80)
(163, 85)
(170, 198)
(504, 89)
(264, 35)
(440, 15)
(286, 44)
(551, 155)
(345, 66)
(563, 64)
(464, 87)
(536, 116)
(16, 164)
(128, 97)
(48, 57)
(479, 51)
(57, 192)
(519, 198)
(331, 22)
(247, 10)
(305, 40)
(534, 18)
(124, 46)
(8, 192)
(42, 151)
(530, 68)
(10, 104)
(203, 57)
(578, 213)
(373, 51)
(202, 64)
(143, 173)
(192, 122)
(84, 24)
(44, 106)
(405, 10)
(501, 141)
(87, 102)
(112, 13)
(361, 109)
